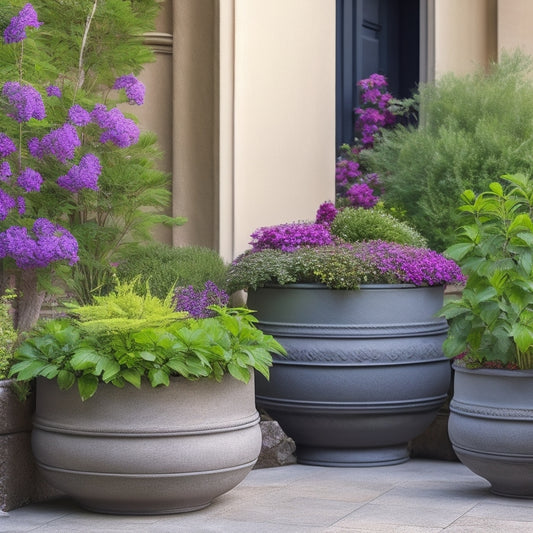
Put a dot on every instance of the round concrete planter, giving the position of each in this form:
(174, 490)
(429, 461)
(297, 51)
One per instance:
(149, 451)
(491, 427)
(365, 372)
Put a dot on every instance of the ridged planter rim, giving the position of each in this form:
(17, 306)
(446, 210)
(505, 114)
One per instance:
(518, 373)
(372, 286)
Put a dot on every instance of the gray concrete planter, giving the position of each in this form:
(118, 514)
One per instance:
(150, 451)
(365, 372)
(491, 427)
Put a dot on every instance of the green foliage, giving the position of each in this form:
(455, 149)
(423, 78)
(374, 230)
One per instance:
(165, 267)
(125, 338)
(493, 320)
(472, 129)
(359, 224)
(8, 336)
(82, 47)
(335, 266)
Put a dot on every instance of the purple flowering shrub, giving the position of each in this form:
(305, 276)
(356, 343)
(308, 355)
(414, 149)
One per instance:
(198, 302)
(355, 185)
(347, 252)
(76, 175)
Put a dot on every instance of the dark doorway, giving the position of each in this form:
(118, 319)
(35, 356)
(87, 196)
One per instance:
(380, 36)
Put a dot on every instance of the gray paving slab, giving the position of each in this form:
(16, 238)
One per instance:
(420, 496)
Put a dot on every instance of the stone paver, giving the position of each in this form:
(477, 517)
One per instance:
(420, 496)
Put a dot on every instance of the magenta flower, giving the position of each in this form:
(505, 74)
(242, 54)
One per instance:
(361, 195)
(289, 237)
(133, 88)
(326, 213)
(346, 171)
(408, 264)
(16, 29)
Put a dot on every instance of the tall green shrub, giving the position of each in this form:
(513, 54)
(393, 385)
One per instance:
(472, 130)
(164, 267)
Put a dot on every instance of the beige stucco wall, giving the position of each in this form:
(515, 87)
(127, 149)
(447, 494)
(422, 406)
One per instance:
(465, 34)
(515, 19)
(284, 112)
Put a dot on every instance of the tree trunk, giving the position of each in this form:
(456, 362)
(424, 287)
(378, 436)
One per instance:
(29, 300)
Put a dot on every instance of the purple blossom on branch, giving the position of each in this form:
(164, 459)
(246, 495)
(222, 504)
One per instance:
(289, 237)
(37, 248)
(7, 146)
(346, 171)
(82, 176)
(7, 203)
(26, 103)
(60, 143)
(133, 88)
(53, 90)
(197, 303)
(79, 116)
(5, 171)
(30, 180)
(16, 29)
(118, 129)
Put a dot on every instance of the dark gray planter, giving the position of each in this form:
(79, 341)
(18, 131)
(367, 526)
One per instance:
(365, 372)
(491, 427)
(149, 451)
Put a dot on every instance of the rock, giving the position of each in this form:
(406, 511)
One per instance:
(277, 449)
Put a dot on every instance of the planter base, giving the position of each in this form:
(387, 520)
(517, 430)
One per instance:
(148, 494)
(390, 455)
(508, 476)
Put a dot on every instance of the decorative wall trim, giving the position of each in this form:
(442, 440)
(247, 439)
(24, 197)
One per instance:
(160, 42)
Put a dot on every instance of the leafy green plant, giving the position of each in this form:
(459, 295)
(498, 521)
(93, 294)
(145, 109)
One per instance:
(165, 267)
(126, 338)
(8, 336)
(472, 128)
(359, 224)
(493, 320)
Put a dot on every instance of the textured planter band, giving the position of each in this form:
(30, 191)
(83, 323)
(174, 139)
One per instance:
(364, 374)
(149, 451)
(491, 427)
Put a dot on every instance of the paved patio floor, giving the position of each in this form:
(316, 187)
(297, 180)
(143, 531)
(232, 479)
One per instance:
(415, 497)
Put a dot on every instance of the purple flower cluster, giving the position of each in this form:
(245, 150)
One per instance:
(133, 88)
(82, 176)
(289, 237)
(44, 244)
(5, 171)
(30, 180)
(7, 146)
(53, 90)
(361, 195)
(197, 303)
(408, 264)
(16, 29)
(346, 171)
(326, 213)
(60, 143)
(26, 103)
(118, 129)
(79, 116)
